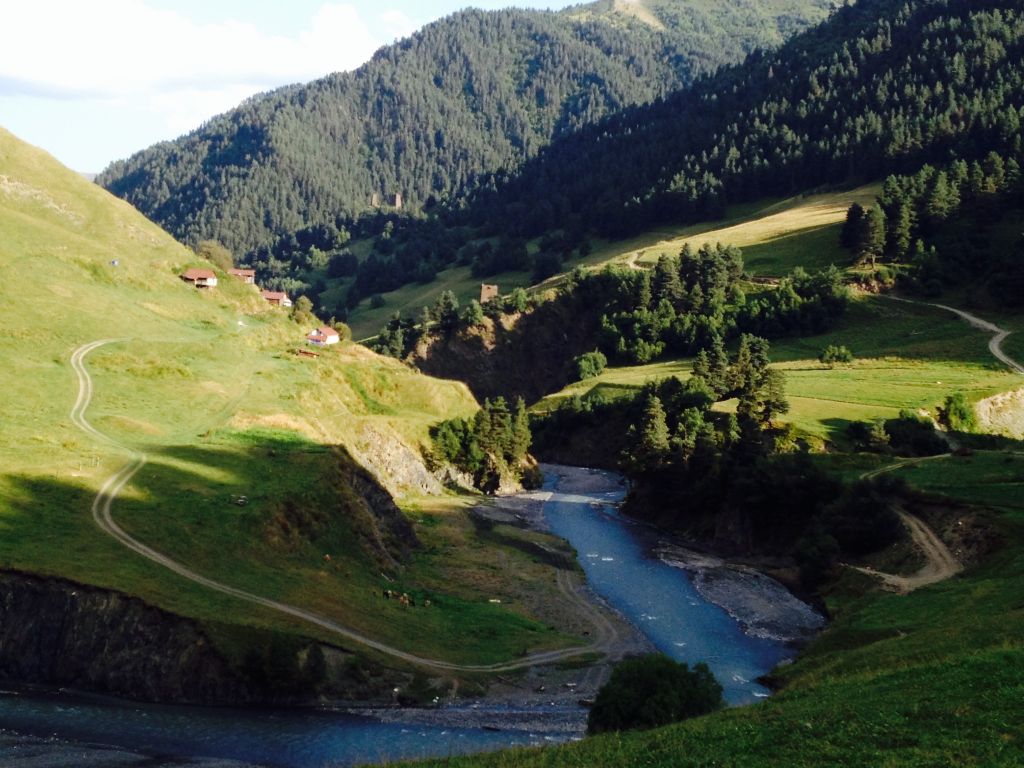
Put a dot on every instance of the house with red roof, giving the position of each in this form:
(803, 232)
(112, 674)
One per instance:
(247, 276)
(277, 298)
(200, 278)
(323, 337)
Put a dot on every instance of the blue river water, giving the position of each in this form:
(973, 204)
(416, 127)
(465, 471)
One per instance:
(618, 557)
(620, 566)
(286, 738)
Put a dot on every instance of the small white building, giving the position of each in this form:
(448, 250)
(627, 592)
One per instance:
(277, 298)
(323, 337)
(200, 278)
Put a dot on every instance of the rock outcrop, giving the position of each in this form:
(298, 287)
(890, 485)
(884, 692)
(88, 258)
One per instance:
(56, 632)
(1003, 414)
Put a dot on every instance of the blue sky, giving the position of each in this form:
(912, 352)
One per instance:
(92, 81)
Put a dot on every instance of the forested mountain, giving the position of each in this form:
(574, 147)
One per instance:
(425, 118)
(883, 86)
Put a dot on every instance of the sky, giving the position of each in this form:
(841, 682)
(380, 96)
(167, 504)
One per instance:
(92, 81)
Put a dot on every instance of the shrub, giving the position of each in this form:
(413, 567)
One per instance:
(958, 413)
(590, 364)
(344, 332)
(868, 436)
(833, 354)
(914, 435)
(864, 520)
(216, 254)
(653, 690)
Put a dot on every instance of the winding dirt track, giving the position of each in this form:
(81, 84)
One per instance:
(995, 344)
(940, 562)
(939, 566)
(102, 513)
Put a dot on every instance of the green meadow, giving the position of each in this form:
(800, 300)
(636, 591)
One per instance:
(206, 384)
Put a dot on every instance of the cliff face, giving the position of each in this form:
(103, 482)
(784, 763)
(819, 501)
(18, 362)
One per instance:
(526, 356)
(56, 632)
(385, 531)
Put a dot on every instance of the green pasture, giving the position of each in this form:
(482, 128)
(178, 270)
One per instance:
(207, 385)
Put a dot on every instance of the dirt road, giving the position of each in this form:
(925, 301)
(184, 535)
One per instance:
(102, 512)
(939, 566)
(940, 562)
(995, 344)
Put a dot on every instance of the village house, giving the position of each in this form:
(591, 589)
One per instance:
(247, 276)
(323, 337)
(200, 278)
(277, 298)
(488, 292)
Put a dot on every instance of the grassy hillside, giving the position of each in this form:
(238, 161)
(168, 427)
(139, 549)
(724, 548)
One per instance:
(204, 382)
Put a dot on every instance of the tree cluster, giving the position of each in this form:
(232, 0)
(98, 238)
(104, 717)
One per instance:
(910, 222)
(492, 444)
(653, 690)
(692, 467)
(695, 301)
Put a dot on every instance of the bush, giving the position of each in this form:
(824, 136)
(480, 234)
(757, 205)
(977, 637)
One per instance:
(344, 332)
(958, 413)
(833, 354)
(868, 436)
(653, 690)
(216, 254)
(864, 520)
(589, 365)
(546, 265)
(914, 435)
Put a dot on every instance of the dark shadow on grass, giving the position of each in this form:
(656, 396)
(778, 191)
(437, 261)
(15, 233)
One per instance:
(837, 431)
(70, 614)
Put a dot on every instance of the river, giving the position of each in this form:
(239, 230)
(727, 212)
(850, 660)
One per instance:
(740, 623)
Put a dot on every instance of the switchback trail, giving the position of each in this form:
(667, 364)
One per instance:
(102, 512)
(940, 562)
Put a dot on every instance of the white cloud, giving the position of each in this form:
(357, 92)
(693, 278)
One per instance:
(397, 24)
(126, 50)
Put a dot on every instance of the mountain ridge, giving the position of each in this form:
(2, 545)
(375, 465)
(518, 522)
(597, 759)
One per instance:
(464, 96)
